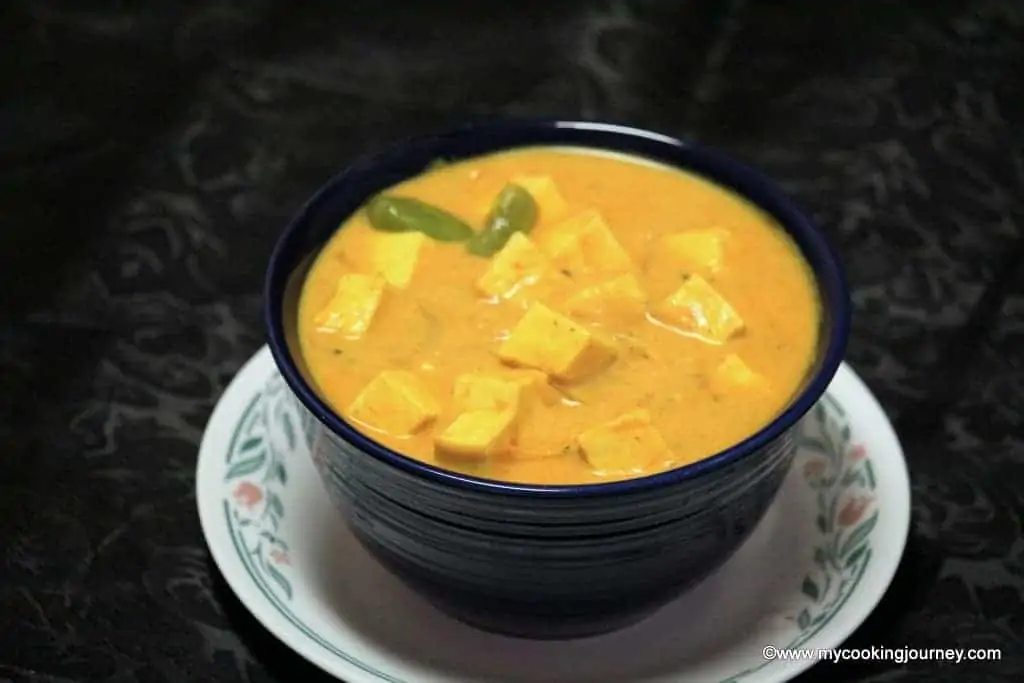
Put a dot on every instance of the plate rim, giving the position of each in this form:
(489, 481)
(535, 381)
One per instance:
(302, 639)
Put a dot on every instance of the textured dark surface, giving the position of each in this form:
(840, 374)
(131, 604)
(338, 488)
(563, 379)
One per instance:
(150, 157)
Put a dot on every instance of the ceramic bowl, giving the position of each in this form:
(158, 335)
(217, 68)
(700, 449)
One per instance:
(545, 561)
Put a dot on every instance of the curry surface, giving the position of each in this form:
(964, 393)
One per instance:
(441, 326)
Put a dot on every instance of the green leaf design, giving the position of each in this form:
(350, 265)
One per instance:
(830, 516)
(853, 475)
(834, 404)
(858, 535)
(845, 434)
(278, 578)
(307, 422)
(289, 430)
(810, 589)
(804, 619)
(244, 467)
(273, 539)
(275, 385)
(250, 443)
(869, 472)
(822, 525)
(280, 472)
(855, 555)
(829, 447)
(820, 557)
(814, 444)
(252, 421)
(274, 505)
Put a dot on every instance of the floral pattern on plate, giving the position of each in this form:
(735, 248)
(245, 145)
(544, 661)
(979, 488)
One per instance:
(837, 469)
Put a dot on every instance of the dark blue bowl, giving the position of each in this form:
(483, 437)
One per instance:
(545, 561)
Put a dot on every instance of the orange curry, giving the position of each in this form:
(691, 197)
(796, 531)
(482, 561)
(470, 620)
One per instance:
(558, 316)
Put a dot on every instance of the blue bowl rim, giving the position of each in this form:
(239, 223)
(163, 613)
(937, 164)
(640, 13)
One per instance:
(828, 270)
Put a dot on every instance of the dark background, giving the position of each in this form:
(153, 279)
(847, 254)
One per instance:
(152, 151)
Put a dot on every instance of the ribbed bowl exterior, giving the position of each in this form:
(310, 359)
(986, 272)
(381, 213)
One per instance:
(549, 567)
(545, 562)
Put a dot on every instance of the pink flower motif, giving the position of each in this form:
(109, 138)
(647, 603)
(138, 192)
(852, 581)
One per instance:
(248, 494)
(858, 452)
(853, 510)
(814, 469)
(280, 557)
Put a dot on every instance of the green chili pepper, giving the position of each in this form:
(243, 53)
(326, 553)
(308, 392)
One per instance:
(436, 164)
(513, 210)
(405, 214)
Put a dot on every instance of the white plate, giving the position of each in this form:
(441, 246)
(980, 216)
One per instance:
(810, 573)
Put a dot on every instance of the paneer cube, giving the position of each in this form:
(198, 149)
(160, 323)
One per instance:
(476, 434)
(395, 255)
(517, 391)
(604, 251)
(629, 444)
(694, 251)
(697, 308)
(566, 251)
(548, 341)
(517, 271)
(479, 391)
(617, 301)
(551, 206)
(585, 243)
(535, 385)
(353, 306)
(733, 373)
(396, 402)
